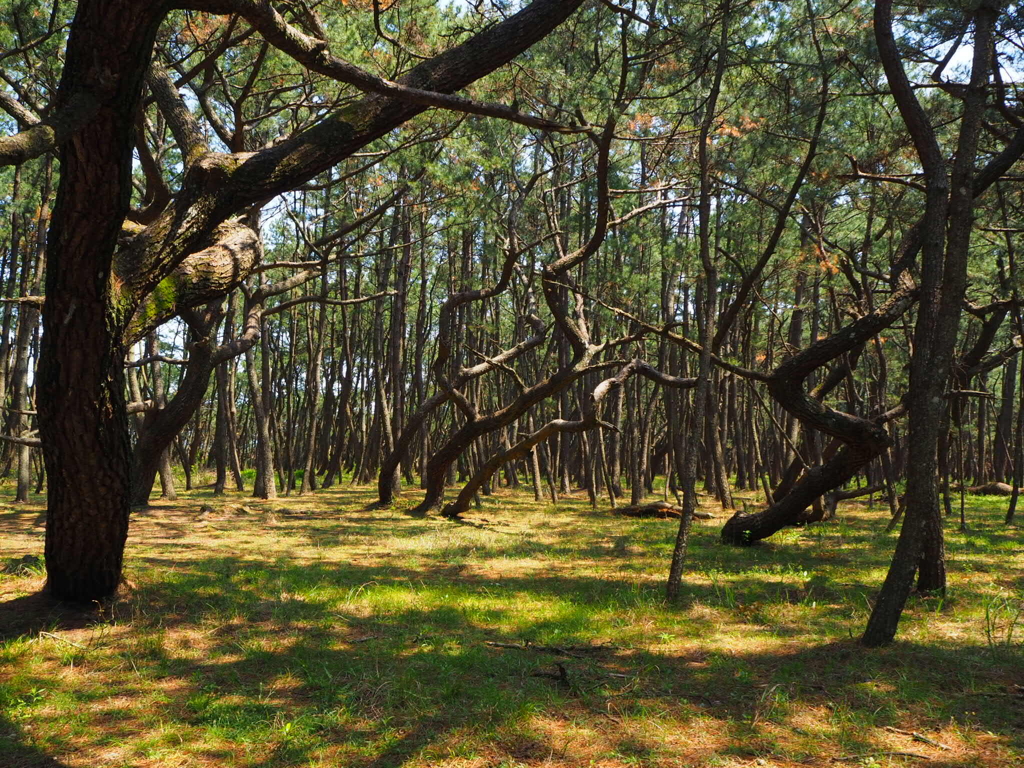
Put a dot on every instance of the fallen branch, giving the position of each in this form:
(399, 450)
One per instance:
(1018, 692)
(991, 489)
(562, 677)
(660, 510)
(917, 736)
(63, 640)
(572, 651)
(849, 758)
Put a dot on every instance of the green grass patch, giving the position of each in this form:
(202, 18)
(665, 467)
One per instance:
(316, 630)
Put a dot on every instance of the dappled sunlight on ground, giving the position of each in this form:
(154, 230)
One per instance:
(317, 630)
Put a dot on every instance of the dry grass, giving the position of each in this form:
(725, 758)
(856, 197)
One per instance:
(318, 631)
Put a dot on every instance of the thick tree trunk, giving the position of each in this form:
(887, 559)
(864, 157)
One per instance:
(82, 415)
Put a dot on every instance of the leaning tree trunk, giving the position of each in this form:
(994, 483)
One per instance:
(160, 427)
(442, 460)
(863, 439)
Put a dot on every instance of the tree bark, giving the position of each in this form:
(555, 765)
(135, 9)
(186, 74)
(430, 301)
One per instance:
(82, 415)
(946, 235)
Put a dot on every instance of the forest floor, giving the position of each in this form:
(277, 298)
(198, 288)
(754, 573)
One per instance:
(318, 631)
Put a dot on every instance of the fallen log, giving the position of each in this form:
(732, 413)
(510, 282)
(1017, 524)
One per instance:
(661, 510)
(991, 489)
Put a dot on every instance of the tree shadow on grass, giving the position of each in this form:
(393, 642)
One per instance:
(38, 612)
(296, 657)
(29, 615)
(15, 752)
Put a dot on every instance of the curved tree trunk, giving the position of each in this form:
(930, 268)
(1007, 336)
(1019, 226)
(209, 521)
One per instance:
(162, 426)
(458, 443)
(863, 439)
(434, 478)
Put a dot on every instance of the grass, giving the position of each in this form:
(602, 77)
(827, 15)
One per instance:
(315, 631)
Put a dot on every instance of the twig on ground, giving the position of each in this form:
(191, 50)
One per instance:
(917, 736)
(63, 640)
(848, 758)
